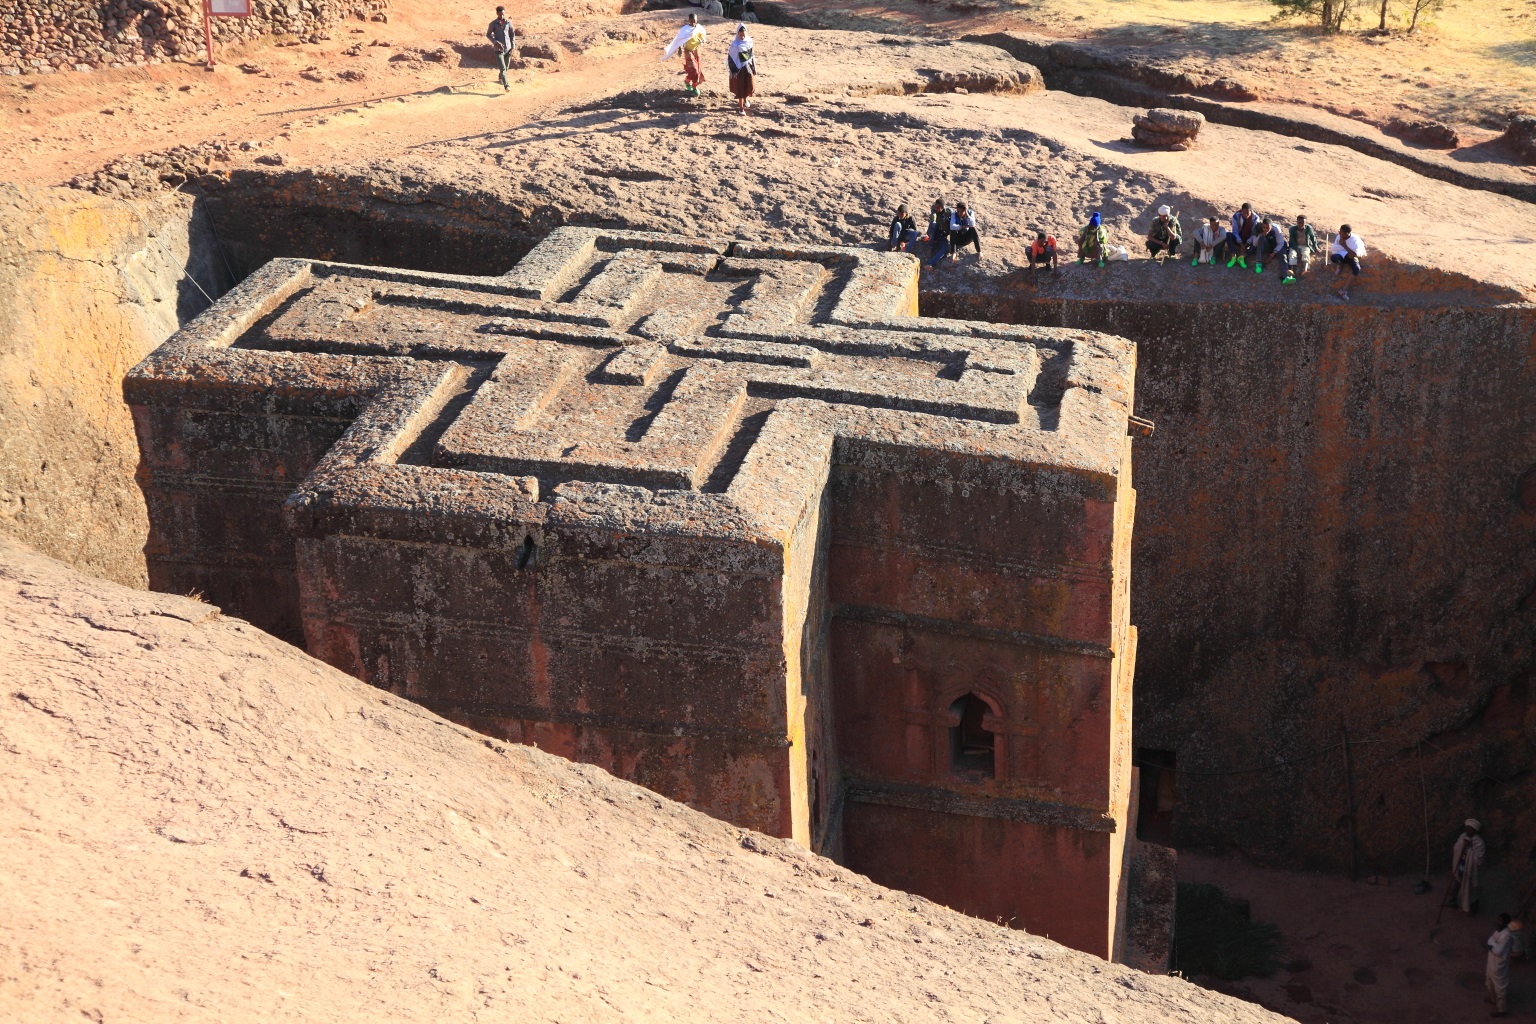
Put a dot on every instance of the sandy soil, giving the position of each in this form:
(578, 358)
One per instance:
(1470, 65)
(203, 823)
(1358, 952)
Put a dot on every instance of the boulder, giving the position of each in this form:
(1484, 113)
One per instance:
(1230, 89)
(1162, 128)
(539, 50)
(1424, 133)
(1521, 136)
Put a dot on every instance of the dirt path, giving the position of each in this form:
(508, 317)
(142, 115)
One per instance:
(425, 75)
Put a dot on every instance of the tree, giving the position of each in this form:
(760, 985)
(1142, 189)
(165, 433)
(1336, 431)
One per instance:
(1425, 7)
(1382, 28)
(1330, 14)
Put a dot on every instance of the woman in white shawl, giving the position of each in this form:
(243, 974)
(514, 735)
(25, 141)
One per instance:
(742, 67)
(689, 39)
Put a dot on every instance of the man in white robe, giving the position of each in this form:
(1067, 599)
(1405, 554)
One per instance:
(1496, 977)
(1467, 864)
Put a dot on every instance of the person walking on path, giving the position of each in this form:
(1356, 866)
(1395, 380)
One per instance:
(1496, 976)
(1347, 250)
(743, 69)
(1240, 238)
(502, 36)
(1467, 860)
(1302, 247)
(689, 40)
(1092, 239)
(1165, 236)
(1210, 240)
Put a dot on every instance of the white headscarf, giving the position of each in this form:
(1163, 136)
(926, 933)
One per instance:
(740, 42)
(684, 34)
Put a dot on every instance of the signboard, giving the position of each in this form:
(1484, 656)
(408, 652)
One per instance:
(229, 8)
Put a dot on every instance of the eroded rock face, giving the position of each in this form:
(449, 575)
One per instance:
(88, 286)
(1162, 128)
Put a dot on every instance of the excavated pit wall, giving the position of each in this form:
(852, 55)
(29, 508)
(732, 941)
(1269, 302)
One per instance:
(1329, 533)
(88, 287)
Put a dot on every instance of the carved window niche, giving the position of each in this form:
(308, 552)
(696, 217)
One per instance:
(975, 746)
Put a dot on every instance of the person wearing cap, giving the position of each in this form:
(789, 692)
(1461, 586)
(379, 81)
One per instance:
(742, 69)
(1496, 976)
(502, 36)
(1467, 864)
(1092, 240)
(1165, 235)
(1210, 239)
(1042, 252)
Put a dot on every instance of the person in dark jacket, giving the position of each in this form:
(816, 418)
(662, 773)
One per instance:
(903, 231)
(1241, 236)
(962, 229)
(938, 231)
(1269, 241)
(502, 37)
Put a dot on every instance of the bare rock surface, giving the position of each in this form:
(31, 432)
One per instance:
(1521, 135)
(203, 823)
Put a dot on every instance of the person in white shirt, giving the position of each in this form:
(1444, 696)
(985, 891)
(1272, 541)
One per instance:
(1496, 977)
(1210, 239)
(1467, 865)
(1346, 250)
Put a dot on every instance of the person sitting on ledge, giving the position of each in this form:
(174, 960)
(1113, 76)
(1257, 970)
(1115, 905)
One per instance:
(1346, 250)
(1042, 252)
(938, 230)
(1240, 239)
(1165, 236)
(903, 231)
(1210, 239)
(962, 230)
(1270, 239)
(1091, 241)
(1302, 247)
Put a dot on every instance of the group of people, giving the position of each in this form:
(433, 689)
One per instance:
(1508, 939)
(947, 231)
(740, 60)
(1246, 237)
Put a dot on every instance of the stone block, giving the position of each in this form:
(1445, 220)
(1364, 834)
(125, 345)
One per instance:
(728, 519)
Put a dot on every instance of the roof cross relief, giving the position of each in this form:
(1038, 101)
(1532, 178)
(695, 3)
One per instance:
(634, 359)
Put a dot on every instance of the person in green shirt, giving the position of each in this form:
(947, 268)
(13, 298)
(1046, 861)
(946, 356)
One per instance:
(1302, 247)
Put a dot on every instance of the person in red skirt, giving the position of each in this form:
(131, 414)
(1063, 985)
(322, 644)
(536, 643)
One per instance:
(689, 40)
(742, 67)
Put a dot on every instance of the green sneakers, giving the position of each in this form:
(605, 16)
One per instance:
(1195, 262)
(1242, 261)
(1258, 268)
(1231, 263)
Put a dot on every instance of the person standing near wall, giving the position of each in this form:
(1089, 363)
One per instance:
(502, 37)
(1496, 976)
(1466, 858)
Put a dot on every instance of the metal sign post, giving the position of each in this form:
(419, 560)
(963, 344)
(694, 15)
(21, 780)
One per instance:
(220, 9)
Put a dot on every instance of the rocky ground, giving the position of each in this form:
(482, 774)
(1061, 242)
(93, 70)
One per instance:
(203, 823)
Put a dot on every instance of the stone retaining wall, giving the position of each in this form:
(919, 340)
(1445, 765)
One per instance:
(44, 36)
